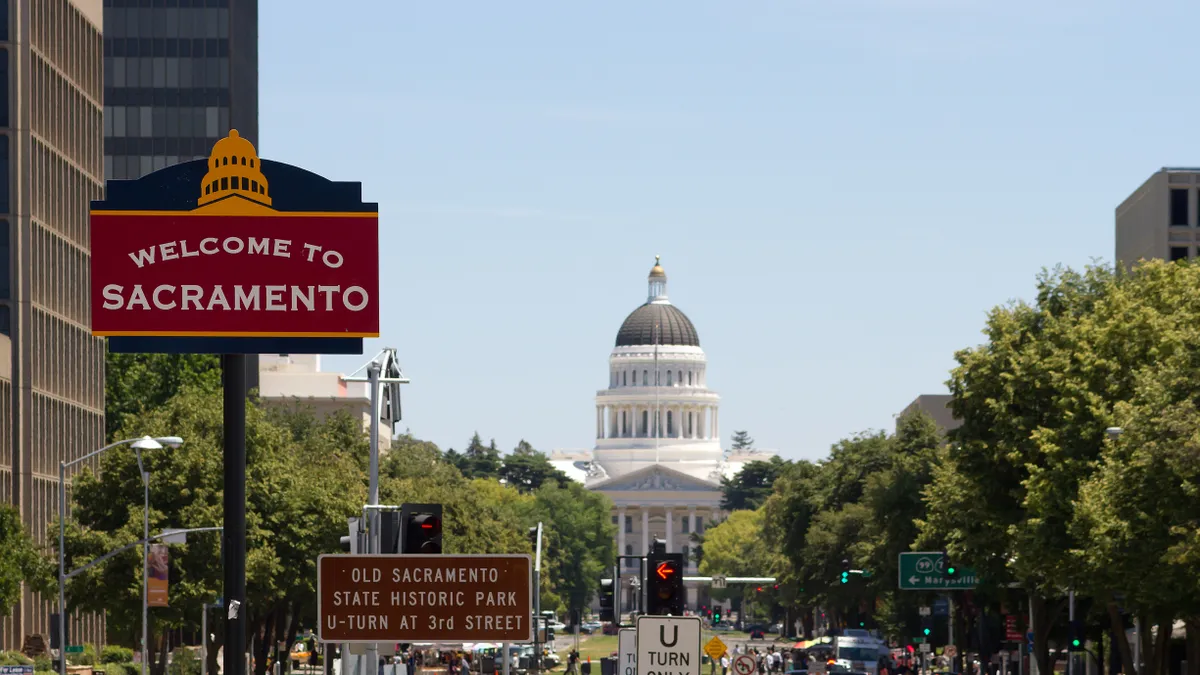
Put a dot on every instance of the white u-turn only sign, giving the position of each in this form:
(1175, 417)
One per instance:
(668, 645)
(627, 651)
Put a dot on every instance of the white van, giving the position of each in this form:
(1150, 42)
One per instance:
(857, 654)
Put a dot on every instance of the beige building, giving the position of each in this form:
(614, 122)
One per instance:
(297, 380)
(1159, 220)
(51, 368)
(936, 406)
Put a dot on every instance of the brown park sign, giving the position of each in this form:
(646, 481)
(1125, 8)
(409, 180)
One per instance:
(424, 598)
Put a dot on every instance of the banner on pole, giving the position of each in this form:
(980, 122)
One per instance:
(159, 564)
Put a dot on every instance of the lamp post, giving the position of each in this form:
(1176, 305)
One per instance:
(138, 444)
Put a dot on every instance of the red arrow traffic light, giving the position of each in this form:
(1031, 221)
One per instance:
(665, 570)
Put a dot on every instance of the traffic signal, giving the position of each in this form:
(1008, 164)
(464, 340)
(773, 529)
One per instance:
(421, 528)
(606, 600)
(948, 566)
(664, 584)
(926, 626)
(845, 571)
(1075, 636)
(716, 615)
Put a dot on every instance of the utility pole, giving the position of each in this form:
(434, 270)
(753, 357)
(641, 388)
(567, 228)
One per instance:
(382, 369)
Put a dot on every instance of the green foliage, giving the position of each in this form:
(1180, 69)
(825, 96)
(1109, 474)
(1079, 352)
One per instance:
(527, 469)
(136, 383)
(742, 440)
(87, 657)
(116, 654)
(579, 542)
(14, 658)
(20, 560)
(751, 486)
(303, 479)
(43, 664)
(184, 661)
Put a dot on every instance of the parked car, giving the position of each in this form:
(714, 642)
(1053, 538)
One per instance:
(756, 633)
(611, 629)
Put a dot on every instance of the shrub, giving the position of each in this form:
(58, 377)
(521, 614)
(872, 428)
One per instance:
(123, 669)
(14, 659)
(43, 664)
(184, 662)
(85, 658)
(116, 654)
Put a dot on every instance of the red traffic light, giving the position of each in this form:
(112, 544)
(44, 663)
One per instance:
(760, 589)
(666, 569)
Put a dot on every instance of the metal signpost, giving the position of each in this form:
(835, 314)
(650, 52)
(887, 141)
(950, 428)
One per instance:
(234, 255)
(925, 571)
(424, 598)
(627, 651)
(668, 645)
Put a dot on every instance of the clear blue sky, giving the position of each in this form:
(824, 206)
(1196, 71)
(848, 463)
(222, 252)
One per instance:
(839, 189)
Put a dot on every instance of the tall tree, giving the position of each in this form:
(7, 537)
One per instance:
(303, 479)
(735, 548)
(751, 486)
(479, 460)
(742, 440)
(20, 560)
(527, 469)
(580, 542)
(135, 383)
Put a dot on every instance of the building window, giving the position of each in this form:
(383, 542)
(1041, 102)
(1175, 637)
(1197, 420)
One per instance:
(614, 520)
(684, 526)
(687, 559)
(689, 378)
(1179, 207)
(670, 381)
(5, 277)
(4, 173)
(646, 423)
(699, 527)
(629, 526)
(670, 424)
(645, 378)
(624, 379)
(4, 82)
(1179, 253)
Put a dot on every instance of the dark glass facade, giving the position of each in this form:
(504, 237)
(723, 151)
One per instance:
(178, 75)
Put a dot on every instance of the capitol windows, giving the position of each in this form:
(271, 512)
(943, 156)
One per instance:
(624, 379)
(669, 381)
(689, 378)
(646, 378)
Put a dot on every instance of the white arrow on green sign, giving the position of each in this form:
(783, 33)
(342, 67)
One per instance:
(925, 571)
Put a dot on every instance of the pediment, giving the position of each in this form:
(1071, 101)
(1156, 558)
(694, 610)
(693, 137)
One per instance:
(657, 478)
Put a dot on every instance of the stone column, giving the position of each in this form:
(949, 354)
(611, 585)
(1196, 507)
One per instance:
(670, 530)
(645, 531)
(679, 413)
(621, 535)
(691, 527)
(599, 421)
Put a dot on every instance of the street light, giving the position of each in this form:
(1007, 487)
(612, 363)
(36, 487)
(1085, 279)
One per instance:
(138, 444)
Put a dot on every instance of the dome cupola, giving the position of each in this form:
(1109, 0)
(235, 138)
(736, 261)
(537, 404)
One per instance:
(234, 169)
(657, 322)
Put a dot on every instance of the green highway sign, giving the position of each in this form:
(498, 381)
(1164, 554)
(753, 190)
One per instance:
(74, 649)
(926, 571)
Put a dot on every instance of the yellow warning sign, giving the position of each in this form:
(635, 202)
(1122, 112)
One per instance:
(715, 648)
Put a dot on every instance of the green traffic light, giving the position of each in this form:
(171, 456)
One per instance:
(862, 624)
(927, 632)
(1075, 642)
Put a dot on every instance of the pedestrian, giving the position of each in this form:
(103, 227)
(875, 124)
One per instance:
(573, 663)
(725, 663)
(464, 666)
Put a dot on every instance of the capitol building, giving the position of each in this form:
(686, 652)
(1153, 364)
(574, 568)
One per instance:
(657, 452)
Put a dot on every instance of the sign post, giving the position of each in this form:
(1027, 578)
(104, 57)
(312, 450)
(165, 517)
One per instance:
(926, 571)
(424, 598)
(668, 645)
(627, 651)
(234, 255)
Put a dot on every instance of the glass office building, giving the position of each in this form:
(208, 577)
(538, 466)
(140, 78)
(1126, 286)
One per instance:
(178, 75)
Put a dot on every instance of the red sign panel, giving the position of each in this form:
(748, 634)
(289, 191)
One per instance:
(1012, 633)
(268, 274)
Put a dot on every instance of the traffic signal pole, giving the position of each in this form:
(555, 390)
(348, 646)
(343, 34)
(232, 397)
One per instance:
(1071, 618)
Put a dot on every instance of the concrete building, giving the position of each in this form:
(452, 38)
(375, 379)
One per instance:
(51, 368)
(936, 406)
(296, 380)
(657, 451)
(1160, 219)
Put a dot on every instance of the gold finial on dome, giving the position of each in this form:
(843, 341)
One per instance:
(657, 270)
(234, 170)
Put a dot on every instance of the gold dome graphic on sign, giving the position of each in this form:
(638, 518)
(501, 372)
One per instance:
(234, 170)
